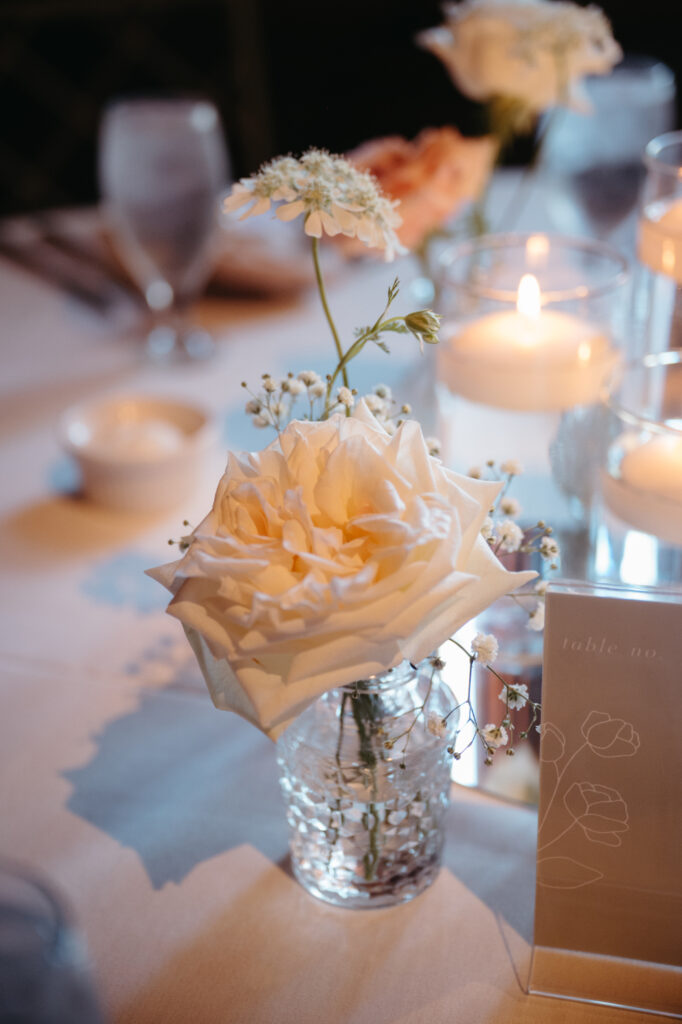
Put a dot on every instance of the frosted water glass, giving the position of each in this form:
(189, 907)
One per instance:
(162, 167)
(591, 162)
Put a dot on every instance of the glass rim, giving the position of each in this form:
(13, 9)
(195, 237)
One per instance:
(655, 147)
(471, 246)
(671, 357)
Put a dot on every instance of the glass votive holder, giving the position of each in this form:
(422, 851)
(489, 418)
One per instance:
(636, 521)
(657, 293)
(530, 331)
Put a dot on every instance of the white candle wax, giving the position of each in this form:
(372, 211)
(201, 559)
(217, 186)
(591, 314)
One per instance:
(648, 492)
(541, 363)
(136, 441)
(660, 238)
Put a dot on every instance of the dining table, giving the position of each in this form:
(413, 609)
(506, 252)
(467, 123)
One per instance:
(156, 817)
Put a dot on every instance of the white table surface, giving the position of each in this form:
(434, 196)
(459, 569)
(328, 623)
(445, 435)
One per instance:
(157, 816)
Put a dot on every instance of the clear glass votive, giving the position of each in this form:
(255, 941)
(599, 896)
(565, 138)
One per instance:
(636, 528)
(530, 332)
(657, 295)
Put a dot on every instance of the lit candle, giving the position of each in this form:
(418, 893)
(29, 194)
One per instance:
(647, 493)
(660, 238)
(530, 358)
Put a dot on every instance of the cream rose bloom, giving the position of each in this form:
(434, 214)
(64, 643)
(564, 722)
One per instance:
(535, 51)
(332, 555)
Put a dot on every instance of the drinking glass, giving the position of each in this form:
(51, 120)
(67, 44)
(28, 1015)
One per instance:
(591, 163)
(162, 167)
(44, 976)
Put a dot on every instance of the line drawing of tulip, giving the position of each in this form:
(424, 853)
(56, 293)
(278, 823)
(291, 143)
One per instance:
(603, 735)
(599, 811)
(609, 737)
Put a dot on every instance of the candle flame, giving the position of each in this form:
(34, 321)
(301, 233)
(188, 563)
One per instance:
(528, 297)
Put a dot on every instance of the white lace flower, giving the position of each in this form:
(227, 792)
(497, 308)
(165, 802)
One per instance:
(512, 466)
(485, 647)
(253, 406)
(509, 535)
(488, 528)
(494, 735)
(536, 620)
(515, 697)
(318, 389)
(331, 195)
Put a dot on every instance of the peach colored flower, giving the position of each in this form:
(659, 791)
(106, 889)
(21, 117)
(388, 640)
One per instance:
(432, 176)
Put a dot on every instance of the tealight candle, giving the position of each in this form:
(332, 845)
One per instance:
(647, 493)
(530, 359)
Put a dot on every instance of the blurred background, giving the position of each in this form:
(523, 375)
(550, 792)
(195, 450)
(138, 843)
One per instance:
(283, 76)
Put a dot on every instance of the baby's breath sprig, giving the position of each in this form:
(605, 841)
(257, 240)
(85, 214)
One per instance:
(514, 696)
(505, 536)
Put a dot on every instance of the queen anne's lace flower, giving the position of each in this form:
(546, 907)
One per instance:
(333, 197)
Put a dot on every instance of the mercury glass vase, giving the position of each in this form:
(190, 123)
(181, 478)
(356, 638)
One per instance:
(366, 781)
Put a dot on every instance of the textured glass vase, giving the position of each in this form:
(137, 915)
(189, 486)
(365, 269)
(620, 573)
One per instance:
(366, 785)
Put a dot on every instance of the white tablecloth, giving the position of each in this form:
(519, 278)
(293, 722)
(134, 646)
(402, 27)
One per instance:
(158, 817)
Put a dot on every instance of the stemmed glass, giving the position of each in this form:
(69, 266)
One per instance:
(162, 166)
(591, 163)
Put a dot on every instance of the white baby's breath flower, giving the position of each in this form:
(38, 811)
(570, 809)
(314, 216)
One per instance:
(475, 473)
(485, 647)
(509, 535)
(514, 696)
(549, 548)
(494, 735)
(510, 507)
(512, 467)
(270, 385)
(434, 446)
(541, 588)
(536, 619)
(261, 420)
(318, 389)
(488, 528)
(308, 377)
(293, 386)
(383, 391)
(436, 724)
(253, 406)
(376, 405)
(345, 397)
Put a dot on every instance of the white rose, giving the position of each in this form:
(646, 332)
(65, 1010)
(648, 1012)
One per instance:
(536, 51)
(332, 555)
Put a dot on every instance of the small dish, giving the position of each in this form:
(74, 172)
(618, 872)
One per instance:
(138, 453)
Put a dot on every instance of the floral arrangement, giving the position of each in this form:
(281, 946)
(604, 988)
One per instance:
(345, 546)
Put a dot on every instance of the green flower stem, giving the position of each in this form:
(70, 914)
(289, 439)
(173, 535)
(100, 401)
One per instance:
(364, 713)
(327, 312)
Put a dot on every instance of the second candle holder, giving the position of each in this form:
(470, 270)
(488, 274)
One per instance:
(531, 329)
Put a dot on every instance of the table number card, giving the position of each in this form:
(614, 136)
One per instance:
(608, 915)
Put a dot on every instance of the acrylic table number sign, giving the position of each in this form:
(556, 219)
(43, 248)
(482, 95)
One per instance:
(608, 913)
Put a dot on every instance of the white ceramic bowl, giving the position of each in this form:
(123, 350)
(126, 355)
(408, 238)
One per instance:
(138, 453)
